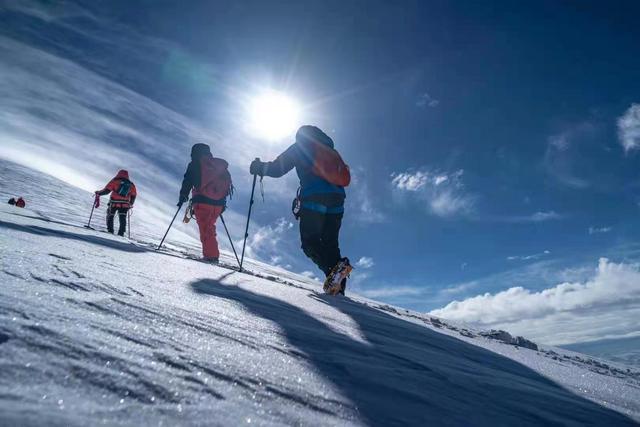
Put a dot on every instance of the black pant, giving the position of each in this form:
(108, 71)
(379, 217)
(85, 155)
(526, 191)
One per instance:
(122, 217)
(319, 233)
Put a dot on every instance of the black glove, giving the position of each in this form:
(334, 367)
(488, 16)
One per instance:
(257, 167)
(183, 198)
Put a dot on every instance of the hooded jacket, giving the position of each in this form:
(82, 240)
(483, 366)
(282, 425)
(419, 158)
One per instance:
(116, 199)
(300, 156)
(192, 181)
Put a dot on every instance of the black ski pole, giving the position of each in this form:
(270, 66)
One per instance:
(93, 206)
(246, 230)
(230, 241)
(129, 222)
(165, 234)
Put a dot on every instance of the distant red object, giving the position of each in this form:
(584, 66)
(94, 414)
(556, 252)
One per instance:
(20, 202)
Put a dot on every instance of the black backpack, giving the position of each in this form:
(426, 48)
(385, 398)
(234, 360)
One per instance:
(125, 188)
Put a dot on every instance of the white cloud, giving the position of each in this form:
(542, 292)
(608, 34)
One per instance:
(444, 193)
(599, 230)
(560, 141)
(448, 203)
(45, 11)
(629, 128)
(606, 305)
(539, 216)
(390, 292)
(440, 179)
(560, 156)
(545, 216)
(457, 289)
(410, 181)
(361, 200)
(365, 262)
(426, 100)
(571, 134)
(311, 275)
(527, 257)
(358, 278)
(264, 243)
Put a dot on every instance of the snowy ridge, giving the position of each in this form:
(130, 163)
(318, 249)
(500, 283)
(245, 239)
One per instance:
(98, 329)
(590, 363)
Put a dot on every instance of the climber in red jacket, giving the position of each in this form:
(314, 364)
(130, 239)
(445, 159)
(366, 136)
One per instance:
(209, 181)
(123, 196)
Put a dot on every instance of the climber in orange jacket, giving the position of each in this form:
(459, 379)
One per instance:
(123, 196)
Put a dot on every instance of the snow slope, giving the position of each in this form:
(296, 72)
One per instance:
(96, 329)
(621, 350)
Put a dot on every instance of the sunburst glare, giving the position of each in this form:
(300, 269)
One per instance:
(273, 115)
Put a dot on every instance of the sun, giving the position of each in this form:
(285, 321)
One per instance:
(273, 115)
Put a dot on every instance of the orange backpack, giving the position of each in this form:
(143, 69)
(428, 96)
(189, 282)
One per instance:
(215, 181)
(328, 165)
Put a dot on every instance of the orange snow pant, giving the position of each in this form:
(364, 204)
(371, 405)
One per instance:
(206, 217)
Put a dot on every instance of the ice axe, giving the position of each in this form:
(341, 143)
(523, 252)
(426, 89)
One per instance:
(96, 203)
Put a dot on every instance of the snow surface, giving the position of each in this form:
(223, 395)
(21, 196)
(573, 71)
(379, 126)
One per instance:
(96, 329)
(619, 350)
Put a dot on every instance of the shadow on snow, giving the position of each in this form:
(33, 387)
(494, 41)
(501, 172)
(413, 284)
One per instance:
(406, 374)
(87, 238)
(410, 375)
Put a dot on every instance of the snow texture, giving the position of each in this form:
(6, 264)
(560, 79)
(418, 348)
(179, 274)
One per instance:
(96, 329)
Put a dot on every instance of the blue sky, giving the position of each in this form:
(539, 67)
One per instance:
(493, 145)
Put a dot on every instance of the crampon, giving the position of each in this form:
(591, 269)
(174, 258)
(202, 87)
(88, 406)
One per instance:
(336, 280)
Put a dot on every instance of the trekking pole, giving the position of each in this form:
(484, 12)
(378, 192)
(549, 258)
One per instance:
(165, 234)
(93, 206)
(246, 230)
(129, 223)
(230, 241)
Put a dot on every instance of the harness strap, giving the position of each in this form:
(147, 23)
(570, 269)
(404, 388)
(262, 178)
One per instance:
(319, 207)
(199, 198)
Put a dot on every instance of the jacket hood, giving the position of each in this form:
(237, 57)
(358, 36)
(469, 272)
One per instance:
(313, 133)
(199, 150)
(122, 174)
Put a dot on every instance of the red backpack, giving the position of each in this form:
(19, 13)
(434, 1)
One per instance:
(215, 179)
(328, 165)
